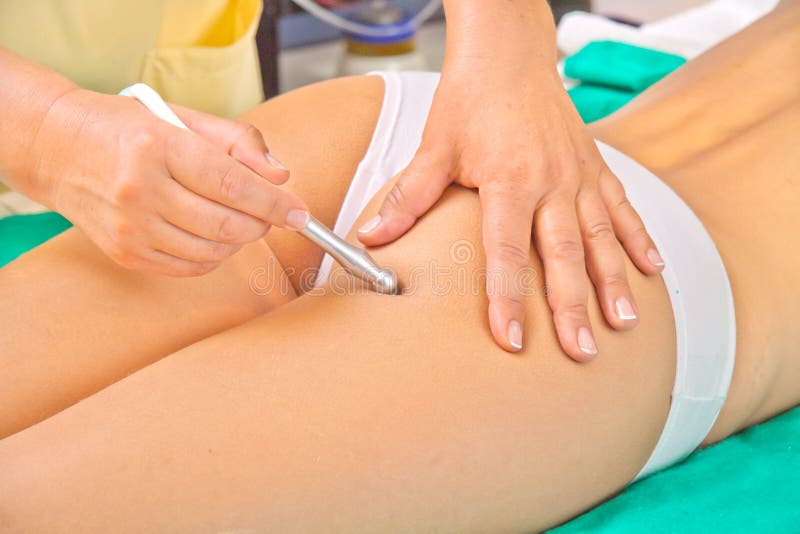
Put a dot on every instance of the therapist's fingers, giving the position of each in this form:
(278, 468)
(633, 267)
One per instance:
(604, 261)
(205, 218)
(241, 140)
(559, 242)
(418, 188)
(628, 226)
(149, 258)
(156, 261)
(181, 244)
(507, 208)
(211, 173)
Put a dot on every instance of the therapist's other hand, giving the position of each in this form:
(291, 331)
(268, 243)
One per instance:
(155, 197)
(520, 142)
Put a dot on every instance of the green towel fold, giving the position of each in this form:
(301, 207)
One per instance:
(612, 74)
(620, 65)
(20, 233)
(596, 101)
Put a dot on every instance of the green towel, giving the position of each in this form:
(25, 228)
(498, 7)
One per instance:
(612, 73)
(748, 483)
(620, 65)
(20, 233)
(596, 101)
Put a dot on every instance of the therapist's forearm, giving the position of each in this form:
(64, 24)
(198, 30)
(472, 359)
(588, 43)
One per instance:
(27, 93)
(512, 32)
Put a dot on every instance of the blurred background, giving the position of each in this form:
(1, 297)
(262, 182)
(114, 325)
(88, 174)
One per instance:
(297, 49)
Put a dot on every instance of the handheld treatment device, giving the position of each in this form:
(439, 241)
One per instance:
(355, 260)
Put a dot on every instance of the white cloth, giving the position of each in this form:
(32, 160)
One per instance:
(688, 34)
(397, 135)
(702, 308)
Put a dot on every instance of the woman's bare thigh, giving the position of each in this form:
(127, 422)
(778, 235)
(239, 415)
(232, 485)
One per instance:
(360, 412)
(74, 321)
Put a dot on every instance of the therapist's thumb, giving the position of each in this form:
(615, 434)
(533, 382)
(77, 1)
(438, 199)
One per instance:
(418, 187)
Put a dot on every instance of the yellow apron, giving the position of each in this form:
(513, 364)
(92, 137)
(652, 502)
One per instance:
(198, 53)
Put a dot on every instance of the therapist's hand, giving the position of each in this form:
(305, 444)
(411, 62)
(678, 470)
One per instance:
(155, 197)
(510, 130)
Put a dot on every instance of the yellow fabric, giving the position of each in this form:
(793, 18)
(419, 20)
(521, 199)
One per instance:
(198, 53)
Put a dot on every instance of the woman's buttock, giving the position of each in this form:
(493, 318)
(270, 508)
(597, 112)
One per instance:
(404, 402)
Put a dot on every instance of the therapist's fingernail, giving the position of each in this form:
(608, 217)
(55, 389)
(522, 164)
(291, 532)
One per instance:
(272, 160)
(515, 334)
(625, 309)
(297, 219)
(586, 341)
(655, 258)
(370, 225)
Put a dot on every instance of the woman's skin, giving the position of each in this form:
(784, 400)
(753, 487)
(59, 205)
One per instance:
(365, 412)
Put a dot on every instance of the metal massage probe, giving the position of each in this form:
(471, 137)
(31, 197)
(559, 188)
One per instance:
(355, 260)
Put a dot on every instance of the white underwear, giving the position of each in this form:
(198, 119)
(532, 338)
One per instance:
(702, 302)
